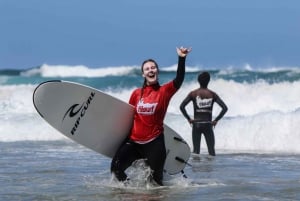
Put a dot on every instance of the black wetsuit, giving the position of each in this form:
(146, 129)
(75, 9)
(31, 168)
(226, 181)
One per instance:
(154, 152)
(203, 100)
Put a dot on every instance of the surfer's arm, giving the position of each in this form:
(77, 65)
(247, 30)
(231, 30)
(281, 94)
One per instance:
(223, 106)
(183, 110)
(180, 73)
(182, 53)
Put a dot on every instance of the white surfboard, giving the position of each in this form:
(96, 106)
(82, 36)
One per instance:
(97, 120)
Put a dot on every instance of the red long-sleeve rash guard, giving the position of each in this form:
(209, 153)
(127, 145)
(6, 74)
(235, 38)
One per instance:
(150, 110)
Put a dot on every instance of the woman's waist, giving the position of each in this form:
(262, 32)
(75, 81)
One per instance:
(145, 134)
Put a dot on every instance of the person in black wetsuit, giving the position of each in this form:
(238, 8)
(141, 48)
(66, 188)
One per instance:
(203, 100)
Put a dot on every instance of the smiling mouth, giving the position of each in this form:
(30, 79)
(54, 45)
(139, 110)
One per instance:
(151, 75)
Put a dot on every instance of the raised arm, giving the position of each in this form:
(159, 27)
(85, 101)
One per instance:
(182, 53)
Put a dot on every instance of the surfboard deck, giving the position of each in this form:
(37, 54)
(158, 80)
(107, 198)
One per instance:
(98, 120)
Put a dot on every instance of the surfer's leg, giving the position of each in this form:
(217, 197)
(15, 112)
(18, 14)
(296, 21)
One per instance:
(155, 153)
(124, 157)
(196, 136)
(210, 140)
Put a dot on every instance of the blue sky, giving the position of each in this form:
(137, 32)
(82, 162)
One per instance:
(125, 32)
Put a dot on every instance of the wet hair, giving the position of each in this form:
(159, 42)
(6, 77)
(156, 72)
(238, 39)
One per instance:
(203, 79)
(146, 61)
(142, 69)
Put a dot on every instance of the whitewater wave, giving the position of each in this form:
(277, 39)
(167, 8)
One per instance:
(242, 99)
(270, 124)
(245, 74)
(77, 71)
(263, 116)
(62, 71)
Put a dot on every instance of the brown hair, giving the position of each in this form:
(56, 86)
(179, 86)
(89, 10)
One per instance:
(144, 83)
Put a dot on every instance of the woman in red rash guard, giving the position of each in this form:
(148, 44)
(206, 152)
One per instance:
(146, 140)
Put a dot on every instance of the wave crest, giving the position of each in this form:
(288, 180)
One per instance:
(77, 71)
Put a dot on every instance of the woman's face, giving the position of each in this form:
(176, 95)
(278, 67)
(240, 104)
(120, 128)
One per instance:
(150, 73)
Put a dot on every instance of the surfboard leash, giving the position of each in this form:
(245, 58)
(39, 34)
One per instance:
(185, 162)
(183, 174)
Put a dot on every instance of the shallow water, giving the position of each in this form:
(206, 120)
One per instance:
(63, 170)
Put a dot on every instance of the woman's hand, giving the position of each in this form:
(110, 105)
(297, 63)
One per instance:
(183, 51)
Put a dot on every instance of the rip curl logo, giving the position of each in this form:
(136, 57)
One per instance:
(204, 103)
(146, 108)
(78, 110)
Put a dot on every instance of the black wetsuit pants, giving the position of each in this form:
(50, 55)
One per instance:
(154, 152)
(207, 130)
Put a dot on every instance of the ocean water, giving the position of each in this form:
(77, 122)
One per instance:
(257, 142)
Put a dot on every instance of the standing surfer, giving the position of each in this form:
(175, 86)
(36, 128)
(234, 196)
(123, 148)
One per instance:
(203, 100)
(146, 139)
